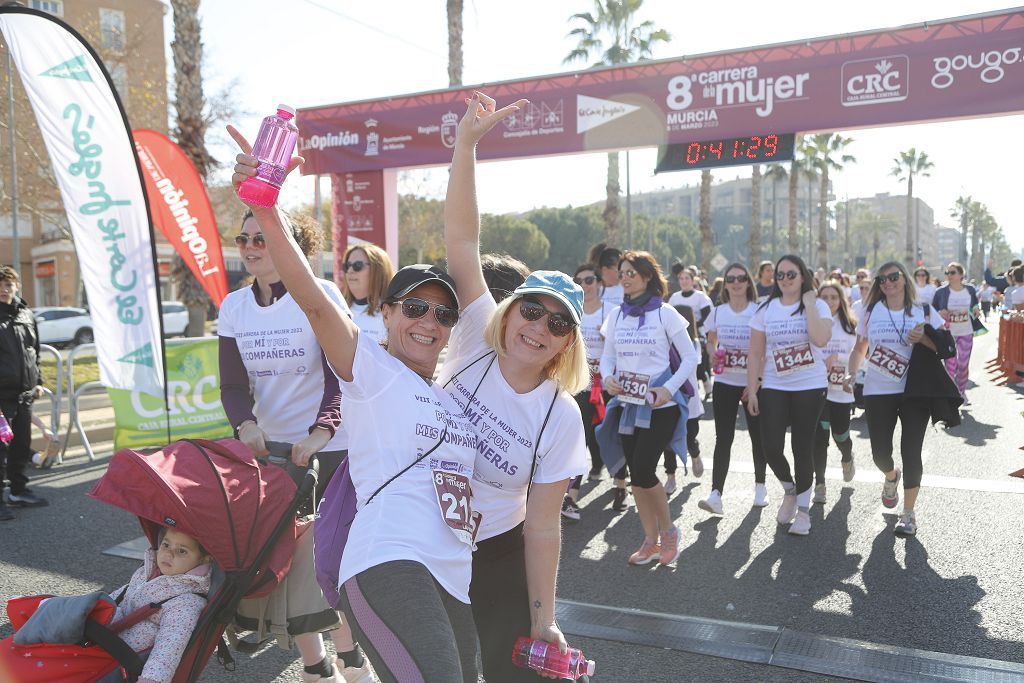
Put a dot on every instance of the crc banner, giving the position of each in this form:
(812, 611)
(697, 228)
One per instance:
(181, 209)
(193, 404)
(87, 135)
(971, 66)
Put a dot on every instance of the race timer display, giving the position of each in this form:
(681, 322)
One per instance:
(751, 149)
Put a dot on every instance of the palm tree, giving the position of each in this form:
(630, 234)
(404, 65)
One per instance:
(775, 173)
(610, 34)
(982, 223)
(809, 170)
(829, 147)
(707, 237)
(755, 215)
(907, 165)
(187, 51)
(962, 212)
(454, 43)
(794, 179)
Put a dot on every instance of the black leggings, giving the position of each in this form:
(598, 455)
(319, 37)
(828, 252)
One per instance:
(643, 448)
(835, 417)
(913, 413)
(588, 410)
(798, 410)
(725, 399)
(692, 446)
(409, 626)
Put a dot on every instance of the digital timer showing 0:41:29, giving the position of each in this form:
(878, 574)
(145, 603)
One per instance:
(751, 149)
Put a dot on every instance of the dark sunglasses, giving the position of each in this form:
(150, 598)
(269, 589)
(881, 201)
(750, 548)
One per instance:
(588, 280)
(953, 272)
(355, 266)
(415, 308)
(729, 279)
(258, 240)
(559, 324)
(891, 277)
(786, 274)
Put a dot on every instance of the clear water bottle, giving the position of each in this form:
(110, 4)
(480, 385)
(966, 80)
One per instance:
(273, 148)
(6, 433)
(545, 658)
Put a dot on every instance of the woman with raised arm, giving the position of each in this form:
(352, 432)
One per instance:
(786, 382)
(404, 578)
(514, 367)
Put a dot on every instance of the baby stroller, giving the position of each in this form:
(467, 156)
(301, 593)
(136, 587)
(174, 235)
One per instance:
(240, 510)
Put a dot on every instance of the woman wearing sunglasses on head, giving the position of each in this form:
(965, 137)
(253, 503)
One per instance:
(958, 305)
(729, 338)
(521, 362)
(786, 381)
(886, 335)
(276, 385)
(404, 578)
(366, 272)
(649, 410)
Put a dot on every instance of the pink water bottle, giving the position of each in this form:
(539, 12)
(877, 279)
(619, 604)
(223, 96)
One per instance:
(544, 657)
(719, 365)
(274, 147)
(6, 433)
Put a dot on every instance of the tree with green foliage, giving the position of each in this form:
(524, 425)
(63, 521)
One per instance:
(518, 237)
(829, 157)
(908, 164)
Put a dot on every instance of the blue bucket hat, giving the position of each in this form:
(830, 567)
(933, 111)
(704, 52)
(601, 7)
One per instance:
(557, 284)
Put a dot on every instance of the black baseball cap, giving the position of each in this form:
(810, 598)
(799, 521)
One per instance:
(411, 277)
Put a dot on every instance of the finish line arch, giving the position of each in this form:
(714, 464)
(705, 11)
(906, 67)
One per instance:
(963, 67)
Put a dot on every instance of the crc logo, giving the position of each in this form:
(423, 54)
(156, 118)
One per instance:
(989, 64)
(875, 81)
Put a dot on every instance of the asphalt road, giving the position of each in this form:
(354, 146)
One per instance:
(956, 588)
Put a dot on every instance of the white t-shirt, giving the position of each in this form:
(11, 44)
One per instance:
(370, 325)
(695, 301)
(959, 306)
(283, 359)
(695, 407)
(985, 294)
(888, 330)
(925, 294)
(644, 350)
(788, 345)
(840, 346)
(733, 331)
(508, 424)
(612, 295)
(1008, 295)
(590, 328)
(1018, 296)
(394, 416)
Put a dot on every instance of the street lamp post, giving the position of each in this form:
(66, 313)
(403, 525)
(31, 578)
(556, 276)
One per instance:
(16, 251)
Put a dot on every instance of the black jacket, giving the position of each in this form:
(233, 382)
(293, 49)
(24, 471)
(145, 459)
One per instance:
(927, 378)
(19, 351)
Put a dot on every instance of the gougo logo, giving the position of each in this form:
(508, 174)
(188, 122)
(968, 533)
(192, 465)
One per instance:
(989, 63)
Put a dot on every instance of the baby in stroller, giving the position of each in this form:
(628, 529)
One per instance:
(156, 611)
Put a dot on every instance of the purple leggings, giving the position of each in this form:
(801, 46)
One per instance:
(959, 365)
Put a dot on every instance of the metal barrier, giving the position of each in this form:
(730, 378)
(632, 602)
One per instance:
(55, 397)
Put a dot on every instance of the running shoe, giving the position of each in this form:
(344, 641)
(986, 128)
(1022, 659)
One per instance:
(619, 502)
(355, 674)
(595, 474)
(26, 499)
(819, 494)
(697, 466)
(849, 469)
(787, 511)
(801, 526)
(570, 510)
(648, 552)
(760, 495)
(670, 483)
(335, 677)
(712, 504)
(907, 526)
(890, 490)
(669, 547)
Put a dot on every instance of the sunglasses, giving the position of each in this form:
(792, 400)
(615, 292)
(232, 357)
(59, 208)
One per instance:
(415, 308)
(588, 280)
(786, 274)
(627, 273)
(953, 272)
(891, 277)
(355, 267)
(729, 279)
(258, 240)
(559, 324)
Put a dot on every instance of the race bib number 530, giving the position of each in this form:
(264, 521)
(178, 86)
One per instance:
(635, 386)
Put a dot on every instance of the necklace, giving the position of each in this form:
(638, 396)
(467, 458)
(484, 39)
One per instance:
(903, 327)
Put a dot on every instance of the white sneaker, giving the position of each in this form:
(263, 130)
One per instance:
(819, 494)
(697, 466)
(670, 483)
(760, 495)
(335, 677)
(787, 511)
(712, 504)
(907, 526)
(801, 526)
(849, 469)
(352, 674)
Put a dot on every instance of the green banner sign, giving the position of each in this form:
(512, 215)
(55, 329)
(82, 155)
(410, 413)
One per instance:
(194, 401)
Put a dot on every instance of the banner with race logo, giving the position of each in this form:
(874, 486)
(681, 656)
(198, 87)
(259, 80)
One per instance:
(88, 138)
(194, 407)
(181, 209)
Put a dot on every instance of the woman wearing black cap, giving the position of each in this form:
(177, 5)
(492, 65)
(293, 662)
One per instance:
(514, 367)
(405, 573)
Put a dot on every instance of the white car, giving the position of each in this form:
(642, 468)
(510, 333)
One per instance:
(175, 318)
(63, 325)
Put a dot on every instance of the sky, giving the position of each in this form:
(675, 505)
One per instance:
(315, 52)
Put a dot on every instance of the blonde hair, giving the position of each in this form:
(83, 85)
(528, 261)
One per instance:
(568, 369)
(381, 273)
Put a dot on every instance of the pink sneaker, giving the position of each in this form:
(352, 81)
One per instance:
(669, 547)
(647, 552)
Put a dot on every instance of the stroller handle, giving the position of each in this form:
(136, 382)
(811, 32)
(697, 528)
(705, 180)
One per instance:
(281, 455)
